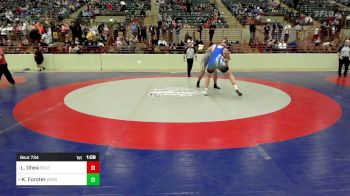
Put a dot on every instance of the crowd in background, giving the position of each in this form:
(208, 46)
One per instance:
(191, 13)
(21, 29)
(18, 10)
(247, 11)
(139, 8)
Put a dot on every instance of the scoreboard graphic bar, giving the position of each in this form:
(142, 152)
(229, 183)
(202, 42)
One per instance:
(54, 169)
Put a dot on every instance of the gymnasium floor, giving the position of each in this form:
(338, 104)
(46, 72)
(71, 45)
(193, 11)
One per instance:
(289, 134)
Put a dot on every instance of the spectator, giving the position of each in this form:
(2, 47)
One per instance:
(74, 49)
(134, 29)
(123, 6)
(282, 46)
(212, 28)
(76, 30)
(328, 45)
(287, 28)
(133, 41)
(308, 19)
(115, 30)
(199, 30)
(177, 33)
(258, 18)
(35, 36)
(267, 29)
(162, 42)
(158, 28)
(252, 30)
(109, 6)
(190, 41)
(123, 29)
(152, 30)
(9, 16)
(100, 28)
(338, 16)
(119, 43)
(105, 33)
(143, 32)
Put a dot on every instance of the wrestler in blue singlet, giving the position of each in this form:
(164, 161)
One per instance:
(217, 53)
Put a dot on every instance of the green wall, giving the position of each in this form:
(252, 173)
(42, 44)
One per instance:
(173, 62)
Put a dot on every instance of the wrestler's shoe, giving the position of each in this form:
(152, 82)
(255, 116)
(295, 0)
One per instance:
(216, 86)
(238, 92)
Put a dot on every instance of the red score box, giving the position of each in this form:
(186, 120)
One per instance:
(93, 167)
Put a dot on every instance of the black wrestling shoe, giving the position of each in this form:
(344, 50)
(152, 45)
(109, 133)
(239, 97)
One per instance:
(197, 84)
(238, 92)
(216, 86)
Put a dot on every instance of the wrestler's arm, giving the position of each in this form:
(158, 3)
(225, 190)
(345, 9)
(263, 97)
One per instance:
(227, 54)
(209, 50)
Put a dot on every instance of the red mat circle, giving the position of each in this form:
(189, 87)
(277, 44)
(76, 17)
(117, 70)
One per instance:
(309, 112)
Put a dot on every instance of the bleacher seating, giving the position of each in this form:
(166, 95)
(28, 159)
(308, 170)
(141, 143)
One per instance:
(319, 10)
(116, 8)
(242, 9)
(344, 2)
(35, 10)
(199, 12)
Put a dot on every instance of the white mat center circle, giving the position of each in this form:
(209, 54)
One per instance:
(178, 100)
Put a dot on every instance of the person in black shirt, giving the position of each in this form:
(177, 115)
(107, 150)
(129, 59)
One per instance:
(76, 30)
(267, 29)
(143, 32)
(252, 30)
(39, 59)
(212, 28)
(199, 30)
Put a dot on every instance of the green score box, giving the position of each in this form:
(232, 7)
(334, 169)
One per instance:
(93, 179)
